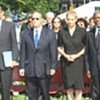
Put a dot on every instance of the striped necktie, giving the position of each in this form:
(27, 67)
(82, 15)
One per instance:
(36, 38)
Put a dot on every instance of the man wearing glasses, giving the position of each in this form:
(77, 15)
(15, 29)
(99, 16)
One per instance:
(38, 57)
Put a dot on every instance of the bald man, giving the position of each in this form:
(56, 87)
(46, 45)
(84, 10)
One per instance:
(38, 57)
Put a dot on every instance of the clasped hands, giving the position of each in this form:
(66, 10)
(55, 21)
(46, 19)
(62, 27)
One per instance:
(71, 57)
(14, 63)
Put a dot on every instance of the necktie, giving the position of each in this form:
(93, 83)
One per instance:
(97, 40)
(36, 38)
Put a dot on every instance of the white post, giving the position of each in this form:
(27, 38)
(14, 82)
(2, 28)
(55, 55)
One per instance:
(84, 2)
(89, 0)
(71, 2)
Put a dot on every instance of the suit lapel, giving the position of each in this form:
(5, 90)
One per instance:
(76, 32)
(71, 38)
(99, 45)
(31, 37)
(66, 32)
(93, 36)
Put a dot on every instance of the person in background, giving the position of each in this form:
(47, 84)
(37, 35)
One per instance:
(49, 18)
(82, 22)
(7, 43)
(72, 49)
(9, 18)
(91, 24)
(38, 57)
(18, 31)
(28, 23)
(93, 56)
(26, 26)
(56, 26)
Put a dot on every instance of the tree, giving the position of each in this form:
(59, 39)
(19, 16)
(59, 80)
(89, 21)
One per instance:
(31, 5)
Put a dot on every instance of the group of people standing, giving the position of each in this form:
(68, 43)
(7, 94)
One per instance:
(42, 46)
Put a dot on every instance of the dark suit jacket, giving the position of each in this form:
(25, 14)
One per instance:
(36, 62)
(47, 25)
(7, 41)
(92, 54)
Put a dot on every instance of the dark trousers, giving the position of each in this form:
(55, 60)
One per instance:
(48, 78)
(34, 84)
(6, 80)
(96, 87)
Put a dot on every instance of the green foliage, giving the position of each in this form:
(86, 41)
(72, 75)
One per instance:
(31, 5)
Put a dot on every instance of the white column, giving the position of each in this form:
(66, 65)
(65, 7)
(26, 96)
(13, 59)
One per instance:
(71, 2)
(89, 0)
(84, 2)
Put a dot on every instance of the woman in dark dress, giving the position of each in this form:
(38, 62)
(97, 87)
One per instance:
(71, 46)
(57, 24)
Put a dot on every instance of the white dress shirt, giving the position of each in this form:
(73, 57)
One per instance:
(0, 24)
(96, 32)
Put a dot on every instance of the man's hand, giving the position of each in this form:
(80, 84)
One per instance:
(14, 63)
(88, 74)
(52, 72)
(22, 72)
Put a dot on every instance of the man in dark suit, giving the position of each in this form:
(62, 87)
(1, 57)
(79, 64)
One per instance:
(93, 56)
(7, 43)
(38, 58)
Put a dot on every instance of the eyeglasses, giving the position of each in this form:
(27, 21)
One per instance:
(35, 18)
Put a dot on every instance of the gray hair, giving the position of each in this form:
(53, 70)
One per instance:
(50, 14)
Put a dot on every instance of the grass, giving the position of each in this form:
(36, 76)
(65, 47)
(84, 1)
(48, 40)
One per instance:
(22, 96)
(54, 97)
